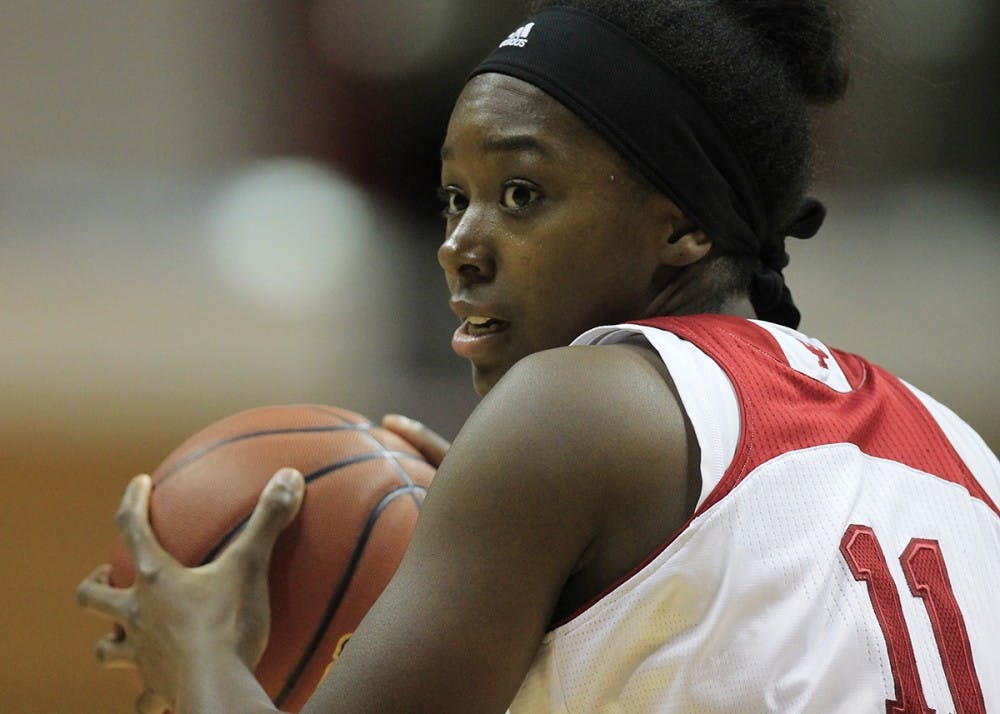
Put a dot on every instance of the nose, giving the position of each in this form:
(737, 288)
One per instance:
(465, 253)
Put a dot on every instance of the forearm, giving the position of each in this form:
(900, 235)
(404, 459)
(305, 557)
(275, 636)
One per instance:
(221, 684)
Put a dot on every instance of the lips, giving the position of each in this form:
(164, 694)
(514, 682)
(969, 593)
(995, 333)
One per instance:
(479, 332)
(478, 316)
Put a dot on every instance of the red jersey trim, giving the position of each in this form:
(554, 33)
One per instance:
(783, 410)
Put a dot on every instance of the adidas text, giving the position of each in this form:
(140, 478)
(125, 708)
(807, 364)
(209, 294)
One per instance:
(519, 37)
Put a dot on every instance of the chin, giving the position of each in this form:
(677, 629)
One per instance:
(483, 380)
(482, 384)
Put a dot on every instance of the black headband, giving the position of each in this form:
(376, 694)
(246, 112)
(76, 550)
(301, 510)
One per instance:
(633, 100)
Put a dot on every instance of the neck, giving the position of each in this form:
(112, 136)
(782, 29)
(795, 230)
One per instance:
(711, 285)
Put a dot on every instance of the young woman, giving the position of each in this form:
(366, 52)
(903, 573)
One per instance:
(709, 511)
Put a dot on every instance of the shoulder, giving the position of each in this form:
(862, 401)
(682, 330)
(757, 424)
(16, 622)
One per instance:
(591, 441)
(582, 395)
(627, 375)
(575, 424)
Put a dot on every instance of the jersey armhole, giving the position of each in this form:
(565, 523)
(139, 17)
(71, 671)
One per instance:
(706, 392)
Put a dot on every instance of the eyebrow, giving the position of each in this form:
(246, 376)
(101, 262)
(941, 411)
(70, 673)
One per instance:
(511, 142)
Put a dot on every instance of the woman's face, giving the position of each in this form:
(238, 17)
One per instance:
(547, 235)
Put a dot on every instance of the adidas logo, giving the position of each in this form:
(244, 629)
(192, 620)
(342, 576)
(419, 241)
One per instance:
(519, 37)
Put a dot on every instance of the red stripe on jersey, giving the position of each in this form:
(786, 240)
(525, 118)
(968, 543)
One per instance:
(783, 410)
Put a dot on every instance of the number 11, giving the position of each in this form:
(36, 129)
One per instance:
(927, 577)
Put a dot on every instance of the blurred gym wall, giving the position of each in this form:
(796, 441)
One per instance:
(207, 206)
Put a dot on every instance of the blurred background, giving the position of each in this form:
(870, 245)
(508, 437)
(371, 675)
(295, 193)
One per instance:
(208, 206)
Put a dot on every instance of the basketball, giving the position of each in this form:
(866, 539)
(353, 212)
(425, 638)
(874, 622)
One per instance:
(364, 490)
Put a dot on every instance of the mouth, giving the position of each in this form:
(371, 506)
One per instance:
(479, 337)
(476, 326)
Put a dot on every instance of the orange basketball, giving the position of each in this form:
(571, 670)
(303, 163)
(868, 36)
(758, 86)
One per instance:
(364, 490)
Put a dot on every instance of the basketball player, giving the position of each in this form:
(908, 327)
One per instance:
(708, 512)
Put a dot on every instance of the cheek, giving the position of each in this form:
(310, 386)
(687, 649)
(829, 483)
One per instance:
(581, 271)
(615, 286)
(603, 261)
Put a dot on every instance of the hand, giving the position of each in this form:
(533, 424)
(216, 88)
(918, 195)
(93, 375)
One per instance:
(432, 445)
(174, 620)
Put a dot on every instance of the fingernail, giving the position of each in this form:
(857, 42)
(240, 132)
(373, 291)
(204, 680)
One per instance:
(289, 478)
(135, 484)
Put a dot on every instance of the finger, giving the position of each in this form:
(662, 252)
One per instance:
(115, 652)
(428, 442)
(101, 575)
(150, 703)
(94, 594)
(276, 508)
(132, 521)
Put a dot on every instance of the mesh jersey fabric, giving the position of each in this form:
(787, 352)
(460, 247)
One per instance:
(811, 460)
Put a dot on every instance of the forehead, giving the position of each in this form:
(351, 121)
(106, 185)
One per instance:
(497, 112)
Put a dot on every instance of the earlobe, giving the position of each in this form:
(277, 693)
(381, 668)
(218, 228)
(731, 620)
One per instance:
(686, 245)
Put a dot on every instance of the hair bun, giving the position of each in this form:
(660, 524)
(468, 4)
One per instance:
(804, 35)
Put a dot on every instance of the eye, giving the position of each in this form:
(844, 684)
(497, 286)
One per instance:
(452, 200)
(518, 196)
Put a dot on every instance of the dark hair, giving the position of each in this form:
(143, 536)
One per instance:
(756, 65)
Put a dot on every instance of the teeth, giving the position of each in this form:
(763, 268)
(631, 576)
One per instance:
(478, 321)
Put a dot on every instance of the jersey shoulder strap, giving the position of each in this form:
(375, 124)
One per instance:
(795, 393)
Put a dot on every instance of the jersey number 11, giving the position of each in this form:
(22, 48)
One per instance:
(927, 577)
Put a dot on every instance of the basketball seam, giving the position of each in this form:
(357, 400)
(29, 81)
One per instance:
(336, 414)
(309, 478)
(403, 474)
(194, 456)
(341, 591)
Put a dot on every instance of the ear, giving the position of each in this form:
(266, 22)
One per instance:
(684, 244)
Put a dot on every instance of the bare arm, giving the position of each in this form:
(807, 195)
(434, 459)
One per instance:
(524, 497)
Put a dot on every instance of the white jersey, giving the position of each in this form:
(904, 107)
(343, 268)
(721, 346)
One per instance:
(844, 555)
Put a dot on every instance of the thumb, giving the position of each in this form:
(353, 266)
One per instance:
(149, 703)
